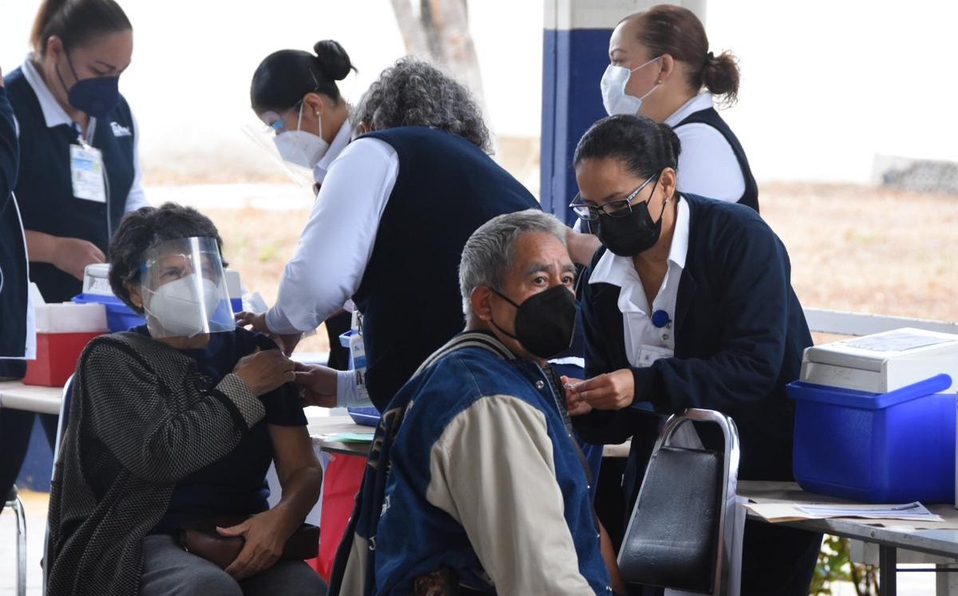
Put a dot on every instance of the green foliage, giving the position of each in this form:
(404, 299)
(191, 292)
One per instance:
(834, 566)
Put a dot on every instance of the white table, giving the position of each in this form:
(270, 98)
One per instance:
(943, 543)
(35, 398)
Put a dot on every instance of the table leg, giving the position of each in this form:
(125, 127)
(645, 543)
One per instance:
(887, 566)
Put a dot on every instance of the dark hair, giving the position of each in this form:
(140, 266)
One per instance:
(76, 22)
(284, 77)
(676, 31)
(414, 92)
(645, 147)
(146, 227)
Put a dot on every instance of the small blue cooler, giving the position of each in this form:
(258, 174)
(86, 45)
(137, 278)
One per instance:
(890, 447)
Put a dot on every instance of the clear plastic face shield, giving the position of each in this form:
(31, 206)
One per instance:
(184, 290)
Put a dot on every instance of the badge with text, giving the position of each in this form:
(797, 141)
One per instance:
(86, 171)
(357, 351)
(649, 354)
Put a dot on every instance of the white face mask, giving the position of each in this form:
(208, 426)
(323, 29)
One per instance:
(299, 147)
(185, 306)
(614, 98)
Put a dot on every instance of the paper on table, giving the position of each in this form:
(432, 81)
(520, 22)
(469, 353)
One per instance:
(914, 510)
(781, 512)
(350, 437)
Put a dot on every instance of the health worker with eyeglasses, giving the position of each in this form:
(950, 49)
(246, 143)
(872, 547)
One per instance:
(661, 67)
(688, 304)
(294, 93)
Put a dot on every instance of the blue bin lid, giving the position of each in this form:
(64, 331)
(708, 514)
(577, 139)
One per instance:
(109, 301)
(866, 400)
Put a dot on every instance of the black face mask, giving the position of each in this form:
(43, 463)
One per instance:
(630, 234)
(544, 321)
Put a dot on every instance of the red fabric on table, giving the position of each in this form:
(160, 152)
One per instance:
(341, 482)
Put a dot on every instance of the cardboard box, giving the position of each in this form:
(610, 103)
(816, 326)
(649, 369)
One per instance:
(893, 447)
(63, 330)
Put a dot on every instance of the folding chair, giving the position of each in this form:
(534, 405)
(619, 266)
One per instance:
(681, 529)
(62, 422)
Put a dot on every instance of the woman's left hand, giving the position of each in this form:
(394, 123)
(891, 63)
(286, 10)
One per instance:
(611, 391)
(265, 537)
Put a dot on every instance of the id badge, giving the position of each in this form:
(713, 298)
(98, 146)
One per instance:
(357, 353)
(86, 172)
(649, 354)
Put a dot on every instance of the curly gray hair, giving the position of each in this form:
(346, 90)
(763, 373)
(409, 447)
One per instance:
(489, 252)
(414, 92)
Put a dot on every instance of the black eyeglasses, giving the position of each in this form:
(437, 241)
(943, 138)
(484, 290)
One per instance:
(619, 208)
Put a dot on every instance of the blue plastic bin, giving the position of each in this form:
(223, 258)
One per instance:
(876, 447)
(119, 317)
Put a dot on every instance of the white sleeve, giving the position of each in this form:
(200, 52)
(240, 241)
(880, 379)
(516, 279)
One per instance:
(347, 394)
(707, 164)
(510, 507)
(136, 198)
(338, 240)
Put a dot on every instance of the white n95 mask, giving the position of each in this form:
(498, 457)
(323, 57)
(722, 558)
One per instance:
(300, 147)
(184, 307)
(184, 294)
(614, 98)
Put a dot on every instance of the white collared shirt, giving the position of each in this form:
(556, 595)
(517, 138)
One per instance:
(336, 245)
(335, 148)
(55, 115)
(645, 342)
(707, 164)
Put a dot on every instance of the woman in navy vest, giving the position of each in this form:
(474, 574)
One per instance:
(688, 305)
(660, 64)
(388, 227)
(71, 121)
(78, 162)
(294, 93)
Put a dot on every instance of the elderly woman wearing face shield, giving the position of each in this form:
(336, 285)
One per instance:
(176, 422)
(688, 305)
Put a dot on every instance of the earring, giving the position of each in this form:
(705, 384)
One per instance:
(660, 81)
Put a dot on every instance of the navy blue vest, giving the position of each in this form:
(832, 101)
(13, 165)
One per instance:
(712, 118)
(409, 295)
(45, 190)
(13, 256)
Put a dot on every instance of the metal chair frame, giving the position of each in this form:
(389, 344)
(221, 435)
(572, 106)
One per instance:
(730, 463)
(13, 501)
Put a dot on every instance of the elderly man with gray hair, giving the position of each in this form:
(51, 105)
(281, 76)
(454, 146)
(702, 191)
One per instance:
(474, 482)
(387, 230)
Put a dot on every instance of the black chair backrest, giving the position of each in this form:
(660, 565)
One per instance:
(674, 537)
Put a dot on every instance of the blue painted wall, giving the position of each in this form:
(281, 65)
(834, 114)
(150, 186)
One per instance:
(573, 63)
(37, 466)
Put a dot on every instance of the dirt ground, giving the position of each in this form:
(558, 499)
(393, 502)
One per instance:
(853, 248)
